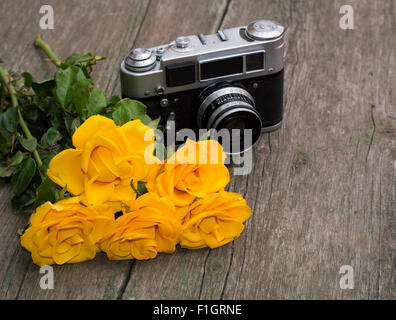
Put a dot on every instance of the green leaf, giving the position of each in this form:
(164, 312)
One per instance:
(30, 113)
(5, 140)
(28, 79)
(159, 150)
(205, 136)
(46, 161)
(154, 123)
(18, 83)
(21, 180)
(10, 169)
(6, 172)
(113, 100)
(67, 119)
(46, 191)
(74, 125)
(77, 58)
(59, 122)
(16, 159)
(21, 231)
(44, 89)
(72, 88)
(170, 151)
(51, 137)
(29, 144)
(127, 109)
(146, 119)
(62, 194)
(10, 119)
(97, 101)
(44, 104)
(25, 199)
(141, 187)
(121, 115)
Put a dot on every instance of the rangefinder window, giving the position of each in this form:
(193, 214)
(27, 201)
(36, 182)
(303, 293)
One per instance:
(255, 62)
(180, 73)
(221, 68)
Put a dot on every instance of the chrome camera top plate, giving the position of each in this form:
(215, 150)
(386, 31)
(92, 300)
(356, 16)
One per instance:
(199, 60)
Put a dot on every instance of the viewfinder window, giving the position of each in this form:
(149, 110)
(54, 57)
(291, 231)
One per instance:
(255, 61)
(221, 68)
(180, 74)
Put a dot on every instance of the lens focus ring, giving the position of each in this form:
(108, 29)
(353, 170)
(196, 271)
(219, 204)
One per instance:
(226, 106)
(219, 97)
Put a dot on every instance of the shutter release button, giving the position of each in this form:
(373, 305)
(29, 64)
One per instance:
(182, 42)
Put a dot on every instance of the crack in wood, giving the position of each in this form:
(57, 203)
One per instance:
(203, 275)
(228, 272)
(374, 129)
(111, 85)
(379, 230)
(228, 2)
(125, 282)
(23, 278)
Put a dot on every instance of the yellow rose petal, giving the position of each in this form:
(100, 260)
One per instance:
(65, 170)
(92, 144)
(214, 221)
(123, 192)
(66, 232)
(98, 192)
(139, 135)
(90, 128)
(61, 258)
(182, 199)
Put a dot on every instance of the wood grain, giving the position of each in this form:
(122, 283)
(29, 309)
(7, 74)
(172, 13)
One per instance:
(80, 26)
(322, 188)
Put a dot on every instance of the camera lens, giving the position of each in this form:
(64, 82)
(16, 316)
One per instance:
(230, 107)
(235, 124)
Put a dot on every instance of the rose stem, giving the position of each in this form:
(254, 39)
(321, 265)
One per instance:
(6, 80)
(47, 49)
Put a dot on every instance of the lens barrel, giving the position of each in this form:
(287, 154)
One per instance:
(230, 107)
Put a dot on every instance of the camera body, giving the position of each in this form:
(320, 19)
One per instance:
(232, 79)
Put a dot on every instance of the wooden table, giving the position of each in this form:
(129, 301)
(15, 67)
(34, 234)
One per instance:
(322, 190)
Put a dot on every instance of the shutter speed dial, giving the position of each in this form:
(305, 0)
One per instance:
(140, 60)
(264, 30)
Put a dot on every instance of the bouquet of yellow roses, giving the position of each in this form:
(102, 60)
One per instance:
(183, 200)
(118, 195)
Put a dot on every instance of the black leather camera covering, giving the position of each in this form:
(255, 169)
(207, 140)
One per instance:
(267, 94)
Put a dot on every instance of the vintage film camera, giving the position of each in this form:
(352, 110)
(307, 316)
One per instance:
(229, 80)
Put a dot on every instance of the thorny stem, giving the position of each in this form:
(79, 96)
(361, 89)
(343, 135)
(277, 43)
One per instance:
(6, 80)
(47, 49)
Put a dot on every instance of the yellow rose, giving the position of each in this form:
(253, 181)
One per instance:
(150, 225)
(66, 232)
(106, 159)
(214, 221)
(195, 170)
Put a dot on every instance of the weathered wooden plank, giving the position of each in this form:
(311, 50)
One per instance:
(168, 19)
(12, 269)
(80, 26)
(77, 281)
(178, 276)
(326, 193)
(322, 188)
